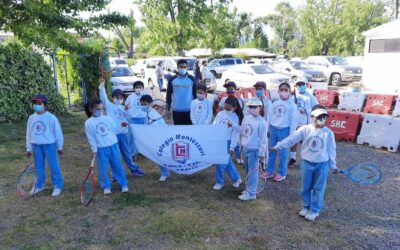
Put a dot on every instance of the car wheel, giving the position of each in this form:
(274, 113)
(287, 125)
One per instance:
(336, 79)
(151, 84)
(142, 73)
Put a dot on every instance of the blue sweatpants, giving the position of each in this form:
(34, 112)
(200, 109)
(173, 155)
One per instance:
(49, 152)
(164, 171)
(250, 159)
(110, 156)
(313, 184)
(229, 168)
(277, 135)
(160, 84)
(126, 150)
(139, 120)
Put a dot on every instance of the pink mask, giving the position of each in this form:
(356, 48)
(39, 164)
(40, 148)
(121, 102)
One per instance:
(254, 112)
(284, 95)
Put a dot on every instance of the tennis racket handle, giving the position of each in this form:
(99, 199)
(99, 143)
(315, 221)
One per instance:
(92, 161)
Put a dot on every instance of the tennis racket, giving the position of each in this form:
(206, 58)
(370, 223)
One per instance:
(261, 181)
(364, 174)
(104, 61)
(87, 188)
(161, 107)
(26, 182)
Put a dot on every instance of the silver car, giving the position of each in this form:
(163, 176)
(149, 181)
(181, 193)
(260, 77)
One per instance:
(218, 66)
(299, 69)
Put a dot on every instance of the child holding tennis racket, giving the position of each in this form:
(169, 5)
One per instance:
(155, 119)
(201, 108)
(231, 116)
(318, 153)
(254, 143)
(283, 122)
(44, 138)
(117, 112)
(304, 101)
(101, 133)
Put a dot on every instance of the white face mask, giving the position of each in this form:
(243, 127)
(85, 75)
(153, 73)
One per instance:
(284, 95)
(200, 96)
(228, 112)
(138, 91)
(319, 122)
(118, 101)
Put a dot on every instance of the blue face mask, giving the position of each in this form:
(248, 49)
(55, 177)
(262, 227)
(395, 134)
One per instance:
(38, 108)
(182, 72)
(259, 92)
(97, 112)
(302, 89)
(144, 108)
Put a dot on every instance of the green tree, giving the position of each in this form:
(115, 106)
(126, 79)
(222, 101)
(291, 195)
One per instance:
(260, 38)
(127, 34)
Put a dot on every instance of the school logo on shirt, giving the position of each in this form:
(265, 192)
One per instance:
(280, 110)
(39, 128)
(120, 114)
(180, 151)
(315, 144)
(225, 121)
(102, 129)
(200, 107)
(247, 130)
(137, 103)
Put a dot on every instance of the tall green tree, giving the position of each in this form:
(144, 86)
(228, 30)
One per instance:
(48, 24)
(126, 34)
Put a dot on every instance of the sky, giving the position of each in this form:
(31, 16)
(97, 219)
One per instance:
(255, 7)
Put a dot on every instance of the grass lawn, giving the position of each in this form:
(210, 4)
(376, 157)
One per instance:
(184, 213)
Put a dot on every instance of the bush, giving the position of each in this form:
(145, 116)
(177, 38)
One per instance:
(24, 73)
(130, 61)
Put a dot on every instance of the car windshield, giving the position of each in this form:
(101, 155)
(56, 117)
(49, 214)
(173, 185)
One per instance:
(337, 60)
(300, 65)
(121, 71)
(191, 62)
(262, 69)
(119, 61)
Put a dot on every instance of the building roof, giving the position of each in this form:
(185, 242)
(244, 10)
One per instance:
(389, 29)
(252, 52)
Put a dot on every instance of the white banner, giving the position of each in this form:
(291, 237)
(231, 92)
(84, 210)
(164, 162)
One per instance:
(183, 149)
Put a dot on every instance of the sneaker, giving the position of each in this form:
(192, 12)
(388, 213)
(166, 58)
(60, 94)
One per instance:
(163, 178)
(239, 161)
(311, 216)
(244, 192)
(218, 186)
(137, 172)
(292, 163)
(125, 189)
(279, 178)
(38, 190)
(107, 191)
(246, 197)
(303, 212)
(237, 183)
(267, 175)
(56, 192)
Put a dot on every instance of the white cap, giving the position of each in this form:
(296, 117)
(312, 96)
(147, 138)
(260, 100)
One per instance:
(254, 102)
(318, 112)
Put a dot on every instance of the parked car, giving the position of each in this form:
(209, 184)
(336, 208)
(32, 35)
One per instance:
(299, 69)
(355, 60)
(218, 66)
(258, 61)
(336, 69)
(116, 62)
(169, 66)
(246, 75)
(139, 67)
(123, 78)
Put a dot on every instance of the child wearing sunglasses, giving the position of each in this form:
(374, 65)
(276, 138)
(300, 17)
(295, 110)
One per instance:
(282, 124)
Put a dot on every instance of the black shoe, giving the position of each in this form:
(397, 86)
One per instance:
(292, 162)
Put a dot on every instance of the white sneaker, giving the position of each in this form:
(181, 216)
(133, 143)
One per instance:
(311, 216)
(218, 186)
(125, 189)
(239, 161)
(38, 190)
(244, 192)
(56, 192)
(107, 191)
(303, 212)
(163, 178)
(246, 197)
(237, 183)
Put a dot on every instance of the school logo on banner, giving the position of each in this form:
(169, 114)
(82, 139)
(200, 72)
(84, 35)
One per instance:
(180, 151)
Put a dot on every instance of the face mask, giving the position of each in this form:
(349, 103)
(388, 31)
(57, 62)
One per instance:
(38, 108)
(259, 93)
(118, 101)
(97, 112)
(302, 89)
(254, 112)
(182, 72)
(284, 95)
(228, 112)
(200, 96)
(138, 91)
(230, 92)
(320, 121)
(144, 108)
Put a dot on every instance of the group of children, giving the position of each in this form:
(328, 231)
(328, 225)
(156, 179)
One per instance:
(261, 127)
